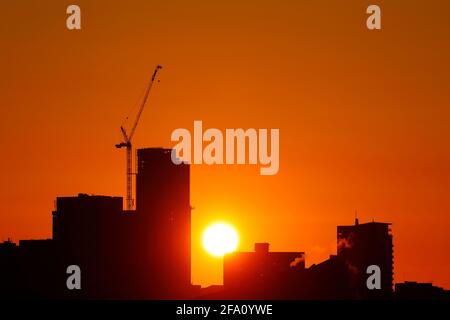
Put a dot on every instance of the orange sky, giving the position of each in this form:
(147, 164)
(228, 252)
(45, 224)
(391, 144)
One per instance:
(364, 116)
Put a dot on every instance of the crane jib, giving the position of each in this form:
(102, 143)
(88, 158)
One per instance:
(127, 142)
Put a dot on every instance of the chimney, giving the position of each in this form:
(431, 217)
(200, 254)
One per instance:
(262, 247)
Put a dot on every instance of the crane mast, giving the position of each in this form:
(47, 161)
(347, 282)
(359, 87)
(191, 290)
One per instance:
(126, 143)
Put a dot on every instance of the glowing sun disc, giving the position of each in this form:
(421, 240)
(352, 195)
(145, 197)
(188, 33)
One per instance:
(219, 239)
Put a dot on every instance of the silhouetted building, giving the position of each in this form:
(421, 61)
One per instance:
(142, 254)
(328, 280)
(10, 284)
(411, 290)
(84, 220)
(259, 274)
(93, 233)
(146, 253)
(362, 245)
(27, 270)
(164, 228)
(282, 275)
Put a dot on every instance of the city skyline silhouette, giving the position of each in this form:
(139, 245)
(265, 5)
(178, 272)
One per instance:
(146, 253)
(362, 115)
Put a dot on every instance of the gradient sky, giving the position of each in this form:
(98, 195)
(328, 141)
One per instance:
(364, 116)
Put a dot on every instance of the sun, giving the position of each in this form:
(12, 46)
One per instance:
(219, 239)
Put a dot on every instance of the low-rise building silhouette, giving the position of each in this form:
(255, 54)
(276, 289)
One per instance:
(411, 290)
(282, 275)
(260, 274)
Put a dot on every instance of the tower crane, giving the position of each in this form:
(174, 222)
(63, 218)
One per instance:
(126, 143)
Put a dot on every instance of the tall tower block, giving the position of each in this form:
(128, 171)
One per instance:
(164, 222)
(365, 244)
